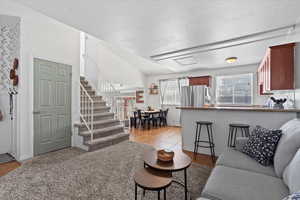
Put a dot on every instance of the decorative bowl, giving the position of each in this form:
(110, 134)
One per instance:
(165, 156)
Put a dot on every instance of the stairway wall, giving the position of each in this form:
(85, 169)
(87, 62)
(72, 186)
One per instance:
(102, 62)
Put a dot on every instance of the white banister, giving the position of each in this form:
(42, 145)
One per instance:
(116, 101)
(87, 110)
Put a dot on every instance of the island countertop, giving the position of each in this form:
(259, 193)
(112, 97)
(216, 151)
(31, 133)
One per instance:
(222, 116)
(239, 108)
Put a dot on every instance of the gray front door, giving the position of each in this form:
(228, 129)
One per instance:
(52, 106)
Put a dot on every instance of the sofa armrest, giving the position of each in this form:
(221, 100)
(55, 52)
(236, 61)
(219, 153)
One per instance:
(240, 143)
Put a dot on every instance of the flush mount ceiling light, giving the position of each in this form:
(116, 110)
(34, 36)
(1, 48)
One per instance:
(231, 59)
(189, 60)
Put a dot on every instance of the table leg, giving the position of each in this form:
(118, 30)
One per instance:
(185, 185)
(165, 194)
(158, 195)
(135, 192)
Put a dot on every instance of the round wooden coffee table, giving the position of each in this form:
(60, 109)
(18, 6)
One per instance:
(150, 179)
(180, 163)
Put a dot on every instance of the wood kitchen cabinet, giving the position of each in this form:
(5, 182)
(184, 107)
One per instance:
(200, 80)
(276, 71)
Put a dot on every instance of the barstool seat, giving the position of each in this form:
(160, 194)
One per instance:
(204, 143)
(204, 122)
(240, 125)
(233, 128)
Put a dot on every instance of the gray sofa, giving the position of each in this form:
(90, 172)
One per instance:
(239, 177)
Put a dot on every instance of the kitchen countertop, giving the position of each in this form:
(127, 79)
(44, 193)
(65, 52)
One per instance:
(239, 108)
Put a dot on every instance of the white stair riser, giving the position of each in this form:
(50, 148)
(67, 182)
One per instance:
(106, 144)
(104, 134)
(99, 126)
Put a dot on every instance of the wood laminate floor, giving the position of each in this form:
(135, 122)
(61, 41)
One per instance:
(166, 137)
(7, 167)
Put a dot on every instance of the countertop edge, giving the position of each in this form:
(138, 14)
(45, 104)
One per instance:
(252, 109)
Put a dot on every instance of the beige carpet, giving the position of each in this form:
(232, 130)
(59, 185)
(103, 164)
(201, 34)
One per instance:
(72, 174)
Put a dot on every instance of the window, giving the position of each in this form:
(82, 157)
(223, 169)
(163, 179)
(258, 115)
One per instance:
(170, 90)
(236, 89)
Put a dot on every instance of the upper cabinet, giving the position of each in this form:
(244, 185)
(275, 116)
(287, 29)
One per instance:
(200, 80)
(276, 71)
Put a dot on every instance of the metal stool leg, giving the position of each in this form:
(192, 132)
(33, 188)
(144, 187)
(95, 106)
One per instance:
(229, 137)
(213, 143)
(195, 142)
(135, 192)
(242, 132)
(210, 143)
(247, 132)
(234, 138)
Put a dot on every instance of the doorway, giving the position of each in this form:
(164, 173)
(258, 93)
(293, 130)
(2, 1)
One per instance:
(52, 106)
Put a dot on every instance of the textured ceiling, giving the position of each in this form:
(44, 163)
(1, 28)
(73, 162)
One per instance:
(151, 27)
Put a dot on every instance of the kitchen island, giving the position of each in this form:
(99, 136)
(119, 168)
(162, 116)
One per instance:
(223, 116)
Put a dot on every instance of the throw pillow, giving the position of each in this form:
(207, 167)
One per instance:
(294, 196)
(262, 144)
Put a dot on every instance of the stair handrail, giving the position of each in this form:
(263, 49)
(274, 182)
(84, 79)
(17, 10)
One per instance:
(87, 108)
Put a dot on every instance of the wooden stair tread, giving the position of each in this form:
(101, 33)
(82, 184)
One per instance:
(99, 108)
(99, 122)
(100, 114)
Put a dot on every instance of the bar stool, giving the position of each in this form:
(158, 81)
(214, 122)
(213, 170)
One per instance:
(210, 143)
(233, 128)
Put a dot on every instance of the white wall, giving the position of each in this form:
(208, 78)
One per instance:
(45, 38)
(104, 63)
(173, 118)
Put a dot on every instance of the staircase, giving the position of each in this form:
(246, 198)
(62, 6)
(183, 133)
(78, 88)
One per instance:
(99, 128)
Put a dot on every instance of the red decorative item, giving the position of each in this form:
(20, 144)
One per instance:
(16, 80)
(12, 74)
(16, 64)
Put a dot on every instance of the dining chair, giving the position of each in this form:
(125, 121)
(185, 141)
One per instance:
(155, 119)
(143, 119)
(133, 119)
(165, 115)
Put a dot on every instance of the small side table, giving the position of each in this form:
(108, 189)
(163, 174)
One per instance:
(181, 162)
(150, 179)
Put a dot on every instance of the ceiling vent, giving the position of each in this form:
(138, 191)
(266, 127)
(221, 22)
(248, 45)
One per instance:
(189, 60)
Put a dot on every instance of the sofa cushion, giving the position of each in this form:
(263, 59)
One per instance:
(262, 144)
(287, 146)
(239, 160)
(291, 174)
(227, 183)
